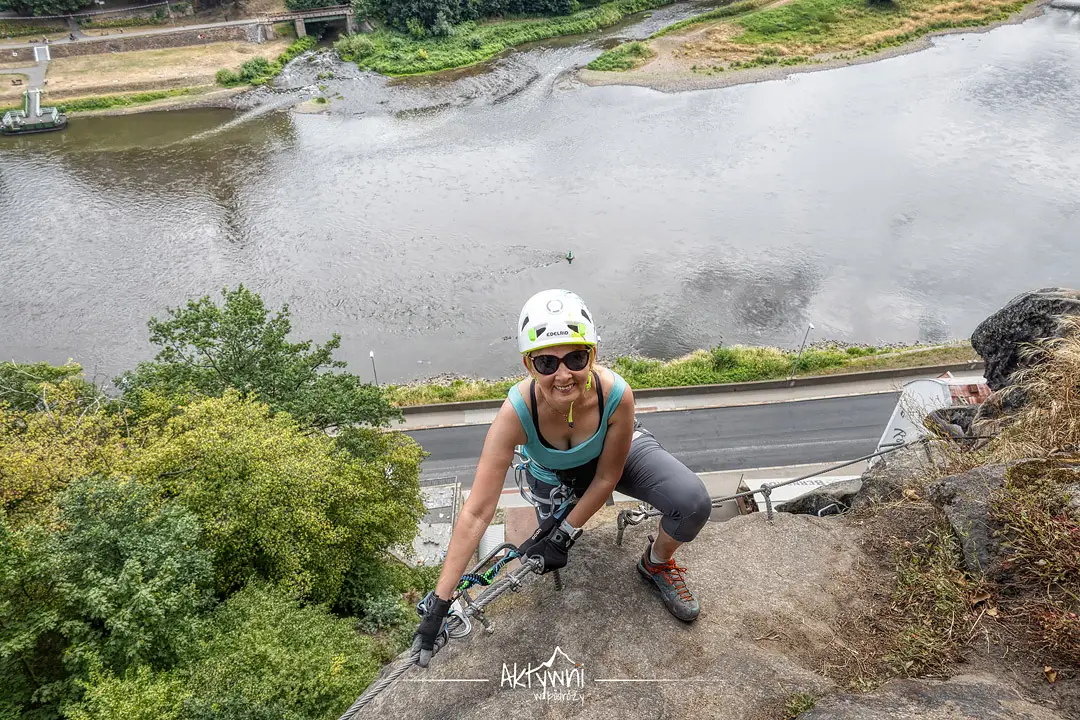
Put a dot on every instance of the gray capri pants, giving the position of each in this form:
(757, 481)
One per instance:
(653, 475)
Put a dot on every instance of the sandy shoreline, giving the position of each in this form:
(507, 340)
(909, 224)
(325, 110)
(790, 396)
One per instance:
(683, 81)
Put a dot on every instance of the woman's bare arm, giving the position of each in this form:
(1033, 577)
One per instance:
(503, 435)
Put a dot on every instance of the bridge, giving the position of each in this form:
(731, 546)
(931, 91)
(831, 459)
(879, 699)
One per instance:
(299, 17)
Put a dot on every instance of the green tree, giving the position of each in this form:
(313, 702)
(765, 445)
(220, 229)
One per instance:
(43, 7)
(278, 503)
(208, 348)
(70, 435)
(309, 4)
(118, 585)
(263, 656)
(22, 384)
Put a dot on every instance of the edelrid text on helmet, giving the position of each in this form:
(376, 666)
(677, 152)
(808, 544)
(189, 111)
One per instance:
(555, 317)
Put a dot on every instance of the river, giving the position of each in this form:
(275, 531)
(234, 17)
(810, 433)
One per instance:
(900, 200)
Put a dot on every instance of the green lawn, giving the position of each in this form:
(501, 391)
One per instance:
(758, 32)
(708, 367)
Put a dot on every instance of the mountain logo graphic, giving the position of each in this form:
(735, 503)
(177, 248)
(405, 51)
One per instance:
(560, 671)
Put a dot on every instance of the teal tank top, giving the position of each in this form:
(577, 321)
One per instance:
(544, 460)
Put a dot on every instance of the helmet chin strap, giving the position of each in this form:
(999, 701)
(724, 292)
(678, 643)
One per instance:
(588, 386)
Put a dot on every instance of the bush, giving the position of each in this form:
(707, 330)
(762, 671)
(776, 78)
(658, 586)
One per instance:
(724, 358)
(118, 586)
(373, 576)
(358, 46)
(259, 71)
(415, 28)
(254, 69)
(262, 656)
(624, 57)
(158, 18)
(264, 647)
(396, 54)
(384, 611)
(227, 78)
(278, 502)
(296, 5)
(40, 453)
(8, 29)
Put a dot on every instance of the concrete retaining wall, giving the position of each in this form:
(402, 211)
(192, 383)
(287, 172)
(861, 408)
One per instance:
(644, 393)
(182, 38)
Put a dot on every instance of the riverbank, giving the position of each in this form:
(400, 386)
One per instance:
(397, 54)
(145, 80)
(755, 41)
(707, 367)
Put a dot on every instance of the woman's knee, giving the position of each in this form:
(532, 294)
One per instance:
(698, 505)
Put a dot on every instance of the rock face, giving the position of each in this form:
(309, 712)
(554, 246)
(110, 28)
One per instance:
(831, 499)
(1024, 319)
(768, 592)
(954, 422)
(964, 499)
(961, 698)
(885, 480)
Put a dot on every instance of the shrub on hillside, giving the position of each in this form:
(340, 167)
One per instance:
(296, 5)
(117, 585)
(262, 656)
(41, 451)
(278, 502)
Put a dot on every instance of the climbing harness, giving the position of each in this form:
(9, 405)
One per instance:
(554, 503)
(643, 512)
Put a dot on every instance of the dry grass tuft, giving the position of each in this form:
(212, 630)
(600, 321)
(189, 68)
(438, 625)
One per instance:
(932, 599)
(1049, 421)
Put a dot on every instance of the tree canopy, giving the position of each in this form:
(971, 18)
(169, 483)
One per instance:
(43, 7)
(206, 348)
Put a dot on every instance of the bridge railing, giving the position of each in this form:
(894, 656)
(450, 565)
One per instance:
(332, 11)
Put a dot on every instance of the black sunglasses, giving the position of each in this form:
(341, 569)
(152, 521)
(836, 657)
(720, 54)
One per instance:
(548, 364)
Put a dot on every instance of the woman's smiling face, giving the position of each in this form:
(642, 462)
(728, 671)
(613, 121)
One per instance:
(564, 385)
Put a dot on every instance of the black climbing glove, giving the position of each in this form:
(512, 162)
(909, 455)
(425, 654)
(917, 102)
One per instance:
(541, 532)
(551, 544)
(431, 627)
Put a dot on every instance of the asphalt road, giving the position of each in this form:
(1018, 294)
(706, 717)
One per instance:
(713, 439)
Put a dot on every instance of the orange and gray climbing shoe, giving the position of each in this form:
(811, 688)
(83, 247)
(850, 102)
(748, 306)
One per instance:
(668, 578)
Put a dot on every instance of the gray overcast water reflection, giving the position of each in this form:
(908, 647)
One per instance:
(898, 200)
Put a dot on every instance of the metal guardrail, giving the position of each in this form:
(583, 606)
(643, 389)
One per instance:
(642, 513)
(330, 11)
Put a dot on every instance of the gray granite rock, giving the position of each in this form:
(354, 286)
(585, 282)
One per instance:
(965, 697)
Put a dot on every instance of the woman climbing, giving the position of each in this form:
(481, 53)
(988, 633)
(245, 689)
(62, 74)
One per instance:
(575, 422)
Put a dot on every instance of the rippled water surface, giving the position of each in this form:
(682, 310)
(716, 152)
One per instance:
(899, 200)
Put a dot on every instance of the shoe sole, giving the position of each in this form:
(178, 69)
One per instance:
(646, 576)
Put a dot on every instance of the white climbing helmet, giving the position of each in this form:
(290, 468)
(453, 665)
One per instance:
(555, 317)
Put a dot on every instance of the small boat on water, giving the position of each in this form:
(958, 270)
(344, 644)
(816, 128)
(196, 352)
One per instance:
(32, 118)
